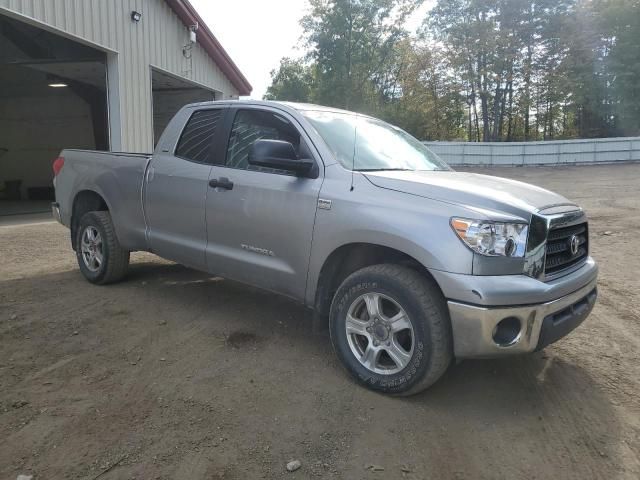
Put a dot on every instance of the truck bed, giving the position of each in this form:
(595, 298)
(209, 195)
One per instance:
(118, 178)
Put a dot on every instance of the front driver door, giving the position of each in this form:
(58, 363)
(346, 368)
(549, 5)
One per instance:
(177, 187)
(260, 221)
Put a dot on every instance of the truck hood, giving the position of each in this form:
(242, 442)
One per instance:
(472, 190)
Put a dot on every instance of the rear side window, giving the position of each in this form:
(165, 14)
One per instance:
(196, 142)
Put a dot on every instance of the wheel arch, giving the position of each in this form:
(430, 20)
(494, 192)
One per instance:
(348, 258)
(83, 202)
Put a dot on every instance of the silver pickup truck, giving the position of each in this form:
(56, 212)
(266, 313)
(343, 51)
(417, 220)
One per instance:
(414, 265)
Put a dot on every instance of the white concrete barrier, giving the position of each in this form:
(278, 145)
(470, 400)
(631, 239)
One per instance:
(555, 152)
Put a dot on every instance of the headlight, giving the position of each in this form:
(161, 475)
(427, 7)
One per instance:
(492, 238)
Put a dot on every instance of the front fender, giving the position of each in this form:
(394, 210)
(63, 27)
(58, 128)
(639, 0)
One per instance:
(418, 227)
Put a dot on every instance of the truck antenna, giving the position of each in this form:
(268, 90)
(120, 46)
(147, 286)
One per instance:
(353, 157)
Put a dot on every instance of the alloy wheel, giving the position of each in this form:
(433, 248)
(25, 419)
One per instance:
(380, 333)
(91, 248)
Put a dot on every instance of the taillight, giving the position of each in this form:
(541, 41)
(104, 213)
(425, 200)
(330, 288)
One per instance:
(58, 163)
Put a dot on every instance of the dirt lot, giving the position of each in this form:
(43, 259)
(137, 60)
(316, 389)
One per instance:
(173, 374)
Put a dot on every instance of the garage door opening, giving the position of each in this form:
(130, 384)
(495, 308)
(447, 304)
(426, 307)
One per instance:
(52, 96)
(170, 94)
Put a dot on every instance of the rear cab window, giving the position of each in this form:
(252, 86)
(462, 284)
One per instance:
(197, 139)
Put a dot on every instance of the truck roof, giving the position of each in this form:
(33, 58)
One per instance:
(293, 105)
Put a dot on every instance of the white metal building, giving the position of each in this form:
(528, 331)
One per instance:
(104, 74)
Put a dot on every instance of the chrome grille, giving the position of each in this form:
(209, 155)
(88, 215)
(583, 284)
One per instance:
(558, 253)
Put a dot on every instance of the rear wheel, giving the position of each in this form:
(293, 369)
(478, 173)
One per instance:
(101, 258)
(390, 327)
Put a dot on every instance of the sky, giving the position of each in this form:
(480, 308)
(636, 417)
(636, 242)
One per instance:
(258, 33)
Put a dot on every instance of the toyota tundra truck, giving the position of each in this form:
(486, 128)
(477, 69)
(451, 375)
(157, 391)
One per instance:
(411, 264)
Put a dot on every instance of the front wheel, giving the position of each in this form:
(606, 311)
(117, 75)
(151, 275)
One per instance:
(101, 258)
(390, 328)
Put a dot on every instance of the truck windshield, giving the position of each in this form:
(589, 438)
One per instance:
(365, 144)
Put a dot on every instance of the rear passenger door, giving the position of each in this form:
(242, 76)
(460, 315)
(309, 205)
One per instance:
(260, 225)
(177, 187)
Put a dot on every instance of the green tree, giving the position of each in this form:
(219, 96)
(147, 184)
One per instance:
(421, 94)
(620, 25)
(349, 44)
(483, 70)
(292, 81)
(499, 50)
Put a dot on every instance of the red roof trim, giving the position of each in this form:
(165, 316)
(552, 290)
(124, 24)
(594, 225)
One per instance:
(211, 45)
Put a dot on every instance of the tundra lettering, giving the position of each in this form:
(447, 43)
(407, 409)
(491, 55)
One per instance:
(261, 251)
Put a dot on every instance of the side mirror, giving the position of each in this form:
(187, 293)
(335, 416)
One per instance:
(280, 155)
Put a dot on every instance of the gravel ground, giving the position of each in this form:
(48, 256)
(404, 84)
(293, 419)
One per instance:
(174, 374)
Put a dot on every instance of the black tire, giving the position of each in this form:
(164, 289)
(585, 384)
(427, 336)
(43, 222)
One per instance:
(424, 304)
(115, 259)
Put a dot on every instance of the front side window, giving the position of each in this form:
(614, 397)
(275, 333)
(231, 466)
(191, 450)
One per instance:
(364, 144)
(251, 125)
(196, 141)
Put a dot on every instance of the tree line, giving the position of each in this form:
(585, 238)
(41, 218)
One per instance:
(476, 70)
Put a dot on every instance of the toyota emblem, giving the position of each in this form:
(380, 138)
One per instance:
(574, 245)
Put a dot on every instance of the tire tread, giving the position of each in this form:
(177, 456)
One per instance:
(428, 295)
(117, 257)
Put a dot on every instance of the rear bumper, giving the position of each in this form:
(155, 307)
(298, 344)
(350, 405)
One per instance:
(532, 326)
(55, 211)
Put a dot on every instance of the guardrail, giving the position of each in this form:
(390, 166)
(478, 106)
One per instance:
(554, 152)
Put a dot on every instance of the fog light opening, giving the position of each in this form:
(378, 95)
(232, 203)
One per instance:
(507, 332)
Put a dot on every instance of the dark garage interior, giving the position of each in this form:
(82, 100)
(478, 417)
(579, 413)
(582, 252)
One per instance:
(52, 96)
(170, 94)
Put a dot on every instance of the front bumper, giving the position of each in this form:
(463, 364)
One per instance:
(476, 327)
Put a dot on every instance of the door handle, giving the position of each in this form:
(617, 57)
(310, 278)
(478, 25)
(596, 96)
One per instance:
(222, 182)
